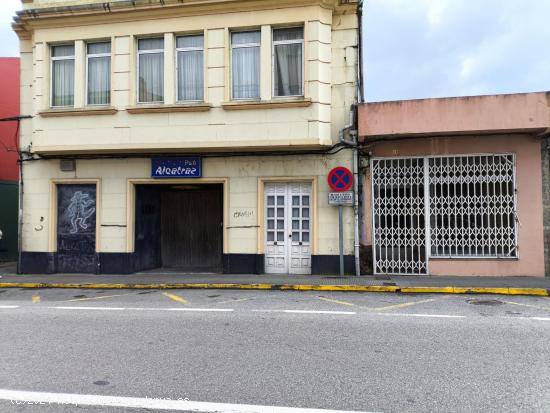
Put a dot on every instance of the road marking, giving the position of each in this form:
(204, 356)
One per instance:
(96, 298)
(306, 312)
(233, 301)
(8, 306)
(541, 318)
(29, 397)
(176, 298)
(402, 305)
(421, 315)
(330, 300)
(89, 308)
(35, 299)
(540, 307)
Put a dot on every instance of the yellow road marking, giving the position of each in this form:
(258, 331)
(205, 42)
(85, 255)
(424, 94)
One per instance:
(96, 298)
(402, 305)
(35, 299)
(540, 307)
(175, 297)
(233, 301)
(330, 300)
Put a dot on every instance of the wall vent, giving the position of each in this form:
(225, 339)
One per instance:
(67, 165)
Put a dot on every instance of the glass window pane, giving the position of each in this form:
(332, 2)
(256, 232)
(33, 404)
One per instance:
(288, 69)
(98, 48)
(151, 77)
(280, 236)
(305, 200)
(280, 213)
(151, 44)
(296, 236)
(270, 200)
(305, 224)
(271, 224)
(280, 200)
(295, 200)
(305, 213)
(280, 224)
(190, 41)
(294, 33)
(270, 212)
(295, 212)
(305, 236)
(99, 80)
(63, 83)
(295, 224)
(245, 38)
(271, 236)
(245, 70)
(190, 75)
(63, 51)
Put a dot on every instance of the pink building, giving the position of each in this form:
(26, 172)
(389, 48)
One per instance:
(457, 186)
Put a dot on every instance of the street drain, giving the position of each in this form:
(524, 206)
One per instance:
(101, 383)
(485, 302)
(79, 296)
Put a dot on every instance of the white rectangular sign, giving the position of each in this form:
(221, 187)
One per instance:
(340, 198)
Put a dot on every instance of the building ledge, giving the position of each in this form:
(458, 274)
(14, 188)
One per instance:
(88, 111)
(187, 107)
(266, 104)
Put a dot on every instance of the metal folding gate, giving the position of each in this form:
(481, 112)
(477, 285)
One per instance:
(457, 206)
(399, 216)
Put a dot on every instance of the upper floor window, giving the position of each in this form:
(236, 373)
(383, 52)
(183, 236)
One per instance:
(151, 70)
(288, 67)
(190, 67)
(99, 73)
(62, 72)
(245, 64)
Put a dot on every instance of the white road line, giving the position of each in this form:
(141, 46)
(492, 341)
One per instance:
(420, 315)
(541, 318)
(209, 310)
(8, 306)
(306, 312)
(28, 397)
(89, 308)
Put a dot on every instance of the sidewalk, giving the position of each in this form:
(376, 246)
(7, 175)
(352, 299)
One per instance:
(171, 280)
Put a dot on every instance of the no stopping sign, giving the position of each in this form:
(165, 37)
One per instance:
(340, 179)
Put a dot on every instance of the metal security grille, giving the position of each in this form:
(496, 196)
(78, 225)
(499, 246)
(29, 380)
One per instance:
(470, 201)
(472, 206)
(399, 224)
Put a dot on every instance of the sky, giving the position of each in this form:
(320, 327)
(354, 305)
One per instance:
(433, 48)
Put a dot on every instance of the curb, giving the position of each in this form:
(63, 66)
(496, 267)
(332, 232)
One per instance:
(541, 292)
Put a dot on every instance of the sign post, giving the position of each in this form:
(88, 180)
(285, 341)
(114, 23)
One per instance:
(340, 180)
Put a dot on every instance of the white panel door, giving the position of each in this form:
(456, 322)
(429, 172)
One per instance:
(288, 228)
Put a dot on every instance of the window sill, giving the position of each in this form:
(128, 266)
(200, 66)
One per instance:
(189, 107)
(88, 111)
(267, 104)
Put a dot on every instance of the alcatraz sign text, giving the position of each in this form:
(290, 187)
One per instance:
(188, 167)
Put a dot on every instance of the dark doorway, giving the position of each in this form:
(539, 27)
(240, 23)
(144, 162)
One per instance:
(180, 227)
(76, 228)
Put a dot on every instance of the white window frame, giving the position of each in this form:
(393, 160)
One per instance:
(245, 45)
(189, 49)
(283, 42)
(95, 55)
(58, 58)
(142, 52)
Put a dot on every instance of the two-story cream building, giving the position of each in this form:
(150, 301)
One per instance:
(191, 135)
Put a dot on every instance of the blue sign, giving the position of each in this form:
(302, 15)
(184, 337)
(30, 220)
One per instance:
(188, 167)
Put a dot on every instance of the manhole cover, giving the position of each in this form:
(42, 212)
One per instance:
(485, 302)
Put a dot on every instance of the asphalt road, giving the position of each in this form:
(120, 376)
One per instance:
(341, 351)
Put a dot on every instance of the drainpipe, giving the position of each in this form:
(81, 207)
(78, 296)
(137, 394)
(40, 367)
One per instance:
(355, 170)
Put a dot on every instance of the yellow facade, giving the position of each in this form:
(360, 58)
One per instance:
(216, 126)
